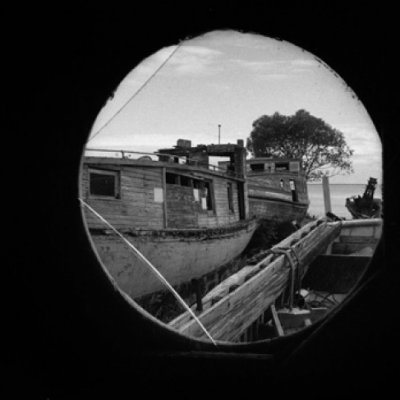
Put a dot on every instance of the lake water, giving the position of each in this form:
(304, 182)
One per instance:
(339, 193)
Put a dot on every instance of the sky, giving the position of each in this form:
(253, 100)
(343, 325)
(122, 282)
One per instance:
(230, 79)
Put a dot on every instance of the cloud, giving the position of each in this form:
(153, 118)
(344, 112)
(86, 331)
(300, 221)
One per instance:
(370, 158)
(361, 137)
(277, 69)
(187, 60)
(139, 142)
(302, 62)
(150, 64)
(219, 86)
(199, 50)
(258, 66)
(193, 60)
(238, 40)
(273, 77)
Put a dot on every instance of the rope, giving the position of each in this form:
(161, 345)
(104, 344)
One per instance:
(293, 269)
(152, 268)
(300, 269)
(137, 92)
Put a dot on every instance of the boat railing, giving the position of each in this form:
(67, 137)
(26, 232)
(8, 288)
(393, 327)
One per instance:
(154, 156)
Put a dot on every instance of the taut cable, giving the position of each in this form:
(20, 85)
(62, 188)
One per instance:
(152, 268)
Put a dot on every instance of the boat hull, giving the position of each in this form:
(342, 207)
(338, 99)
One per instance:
(179, 255)
(276, 209)
(358, 210)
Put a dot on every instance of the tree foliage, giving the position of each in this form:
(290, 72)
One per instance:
(321, 148)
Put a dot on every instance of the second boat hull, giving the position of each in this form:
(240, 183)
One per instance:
(276, 209)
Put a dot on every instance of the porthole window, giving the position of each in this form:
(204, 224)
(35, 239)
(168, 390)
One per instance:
(210, 237)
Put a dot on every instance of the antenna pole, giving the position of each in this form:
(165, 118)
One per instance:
(219, 133)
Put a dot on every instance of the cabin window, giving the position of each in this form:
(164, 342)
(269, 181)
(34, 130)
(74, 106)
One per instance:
(282, 166)
(171, 179)
(208, 188)
(257, 167)
(185, 181)
(103, 183)
(230, 197)
(175, 179)
(197, 184)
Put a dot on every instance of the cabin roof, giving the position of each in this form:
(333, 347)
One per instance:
(219, 150)
(269, 159)
(97, 161)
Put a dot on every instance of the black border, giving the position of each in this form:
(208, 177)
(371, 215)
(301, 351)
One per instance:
(67, 336)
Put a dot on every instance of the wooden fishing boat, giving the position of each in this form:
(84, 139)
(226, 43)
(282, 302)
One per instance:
(365, 206)
(277, 292)
(277, 189)
(185, 216)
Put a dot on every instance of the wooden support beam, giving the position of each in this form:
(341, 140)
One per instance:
(164, 187)
(276, 321)
(326, 193)
(236, 311)
(197, 289)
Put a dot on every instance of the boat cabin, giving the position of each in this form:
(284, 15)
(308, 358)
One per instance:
(174, 188)
(279, 175)
(271, 166)
(277, 188)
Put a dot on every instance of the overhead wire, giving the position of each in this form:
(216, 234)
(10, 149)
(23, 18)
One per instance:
(137, 92)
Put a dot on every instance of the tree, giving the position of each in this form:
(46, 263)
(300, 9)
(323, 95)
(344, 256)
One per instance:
(321, 148)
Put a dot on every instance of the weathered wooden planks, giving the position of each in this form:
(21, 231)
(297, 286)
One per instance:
(272, 181)
(136, 206)
(241, 276)
(216, 294)
(233, 313)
